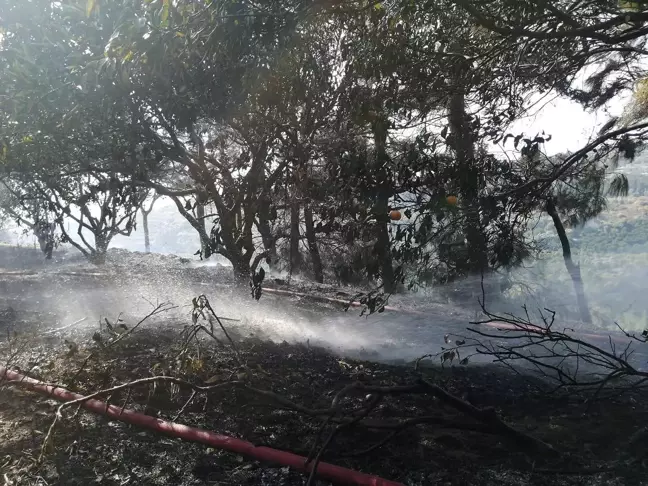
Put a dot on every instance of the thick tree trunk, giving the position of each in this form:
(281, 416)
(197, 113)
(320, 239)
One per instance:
(316, 260)
(98, 256)
(572, 268)
(145, 226)
(241, 268)
(45, 236)
(295, 237)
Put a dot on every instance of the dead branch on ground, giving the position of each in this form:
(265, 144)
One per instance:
(562, 356)
(116, 336)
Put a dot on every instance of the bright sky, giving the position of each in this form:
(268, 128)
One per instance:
(570, 126)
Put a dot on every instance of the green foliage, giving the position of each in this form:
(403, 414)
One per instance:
(293, 117)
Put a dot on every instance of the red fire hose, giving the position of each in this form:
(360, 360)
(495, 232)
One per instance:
(336, 474)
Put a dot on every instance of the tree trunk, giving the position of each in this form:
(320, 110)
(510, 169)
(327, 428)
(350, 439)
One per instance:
(295, 237)
(316, 259)
(200, 216)
(45, 235)
(383, 243)
(462, 143)
(266, 213)
(388, 278)
(269, 242)
(572, 268)
(98, 256)
(241, 269)
(145, 226)
(194, 222)
(145, 214)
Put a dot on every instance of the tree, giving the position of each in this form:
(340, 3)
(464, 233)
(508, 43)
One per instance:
(101, 207)
(145, 225)
(302, 125)
(562, 38)
(564, 42)
(574, 198)
(31, 213)
(69, 141)
(572, 268)
(193, 121)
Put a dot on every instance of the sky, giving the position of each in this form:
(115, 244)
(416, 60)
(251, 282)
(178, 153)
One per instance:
(570, 126)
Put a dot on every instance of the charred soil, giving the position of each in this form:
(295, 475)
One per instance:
(441, 446)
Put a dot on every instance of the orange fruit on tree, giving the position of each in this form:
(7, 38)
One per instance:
(452, 200)
(395, 215)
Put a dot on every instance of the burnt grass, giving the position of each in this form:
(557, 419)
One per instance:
(593, 439)
(88, 449)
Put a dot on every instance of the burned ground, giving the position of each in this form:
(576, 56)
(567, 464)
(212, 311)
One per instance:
(592, 439)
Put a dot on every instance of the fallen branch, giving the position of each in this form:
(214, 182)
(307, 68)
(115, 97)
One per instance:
(158, 309)
(490, 418)
(344, 303)
(560, 356)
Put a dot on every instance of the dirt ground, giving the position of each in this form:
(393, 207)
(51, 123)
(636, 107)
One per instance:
(84, 449)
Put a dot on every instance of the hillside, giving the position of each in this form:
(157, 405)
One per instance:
(613, 253)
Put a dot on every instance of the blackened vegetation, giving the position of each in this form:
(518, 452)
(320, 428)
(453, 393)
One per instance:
(417, 423)
(283, 399)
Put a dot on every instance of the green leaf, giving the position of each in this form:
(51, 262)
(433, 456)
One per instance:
(629, 6)
(90, 6)
(164, 15)
(378, 6)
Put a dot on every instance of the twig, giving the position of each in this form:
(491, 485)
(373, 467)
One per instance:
(128, 394)
(378, 444)
(609, 366)
(184, 407)
(203, 299)
(65, 327)
(364, 413)
(160, 308)
(318, 457)
(114, 389)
